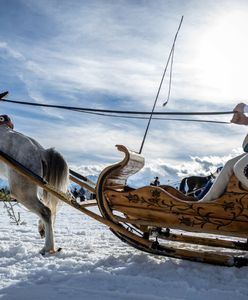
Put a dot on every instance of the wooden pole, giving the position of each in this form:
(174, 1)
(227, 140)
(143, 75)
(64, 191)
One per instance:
(83, 184)
(39, 181)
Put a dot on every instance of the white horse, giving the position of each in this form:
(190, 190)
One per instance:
(47, 163)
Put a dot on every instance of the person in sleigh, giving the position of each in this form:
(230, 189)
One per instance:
(237, 165)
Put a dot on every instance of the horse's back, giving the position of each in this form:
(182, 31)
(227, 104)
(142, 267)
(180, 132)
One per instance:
(49, 163)
(22, 148)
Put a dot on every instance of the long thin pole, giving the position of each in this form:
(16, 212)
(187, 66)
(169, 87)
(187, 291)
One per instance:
(160, 85)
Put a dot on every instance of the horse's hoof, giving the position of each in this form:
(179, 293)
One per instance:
(44, 252)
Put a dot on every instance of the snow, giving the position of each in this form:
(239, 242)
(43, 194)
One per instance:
(94, 264)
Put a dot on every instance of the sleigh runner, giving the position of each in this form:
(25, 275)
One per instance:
(162, 220)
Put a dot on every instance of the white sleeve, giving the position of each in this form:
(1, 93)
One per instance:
(246, 109)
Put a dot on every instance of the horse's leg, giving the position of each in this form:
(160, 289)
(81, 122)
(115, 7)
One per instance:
(46, 222)
(27, 194)
(41, 228)
(46, 219)
(51, 202)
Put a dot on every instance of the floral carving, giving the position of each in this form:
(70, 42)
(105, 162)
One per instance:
(228, 206)
(133, 198)
(195, 214)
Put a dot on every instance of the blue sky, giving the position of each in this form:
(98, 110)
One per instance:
(111, 54)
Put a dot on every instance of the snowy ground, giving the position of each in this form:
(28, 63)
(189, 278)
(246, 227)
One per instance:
(94, 265)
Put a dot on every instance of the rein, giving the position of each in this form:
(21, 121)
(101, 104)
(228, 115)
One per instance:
(138, 115)
(121, 112)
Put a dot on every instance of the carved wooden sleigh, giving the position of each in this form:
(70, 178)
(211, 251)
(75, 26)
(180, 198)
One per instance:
(163, 221)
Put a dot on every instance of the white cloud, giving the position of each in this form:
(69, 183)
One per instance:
(10, 51)
(120, 57)
(119, 49)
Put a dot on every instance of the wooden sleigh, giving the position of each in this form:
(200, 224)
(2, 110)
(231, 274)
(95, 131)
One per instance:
(162, 220)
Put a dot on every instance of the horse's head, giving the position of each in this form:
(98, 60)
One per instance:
(5, 120)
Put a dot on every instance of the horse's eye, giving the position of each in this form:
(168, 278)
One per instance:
(2, 119)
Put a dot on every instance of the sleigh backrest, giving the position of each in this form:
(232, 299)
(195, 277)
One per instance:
(115, 176)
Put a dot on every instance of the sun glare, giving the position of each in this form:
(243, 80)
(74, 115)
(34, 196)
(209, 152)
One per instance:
(222, 56)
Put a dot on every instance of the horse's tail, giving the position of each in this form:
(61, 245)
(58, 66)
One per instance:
(57, 174)
(182, 185)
